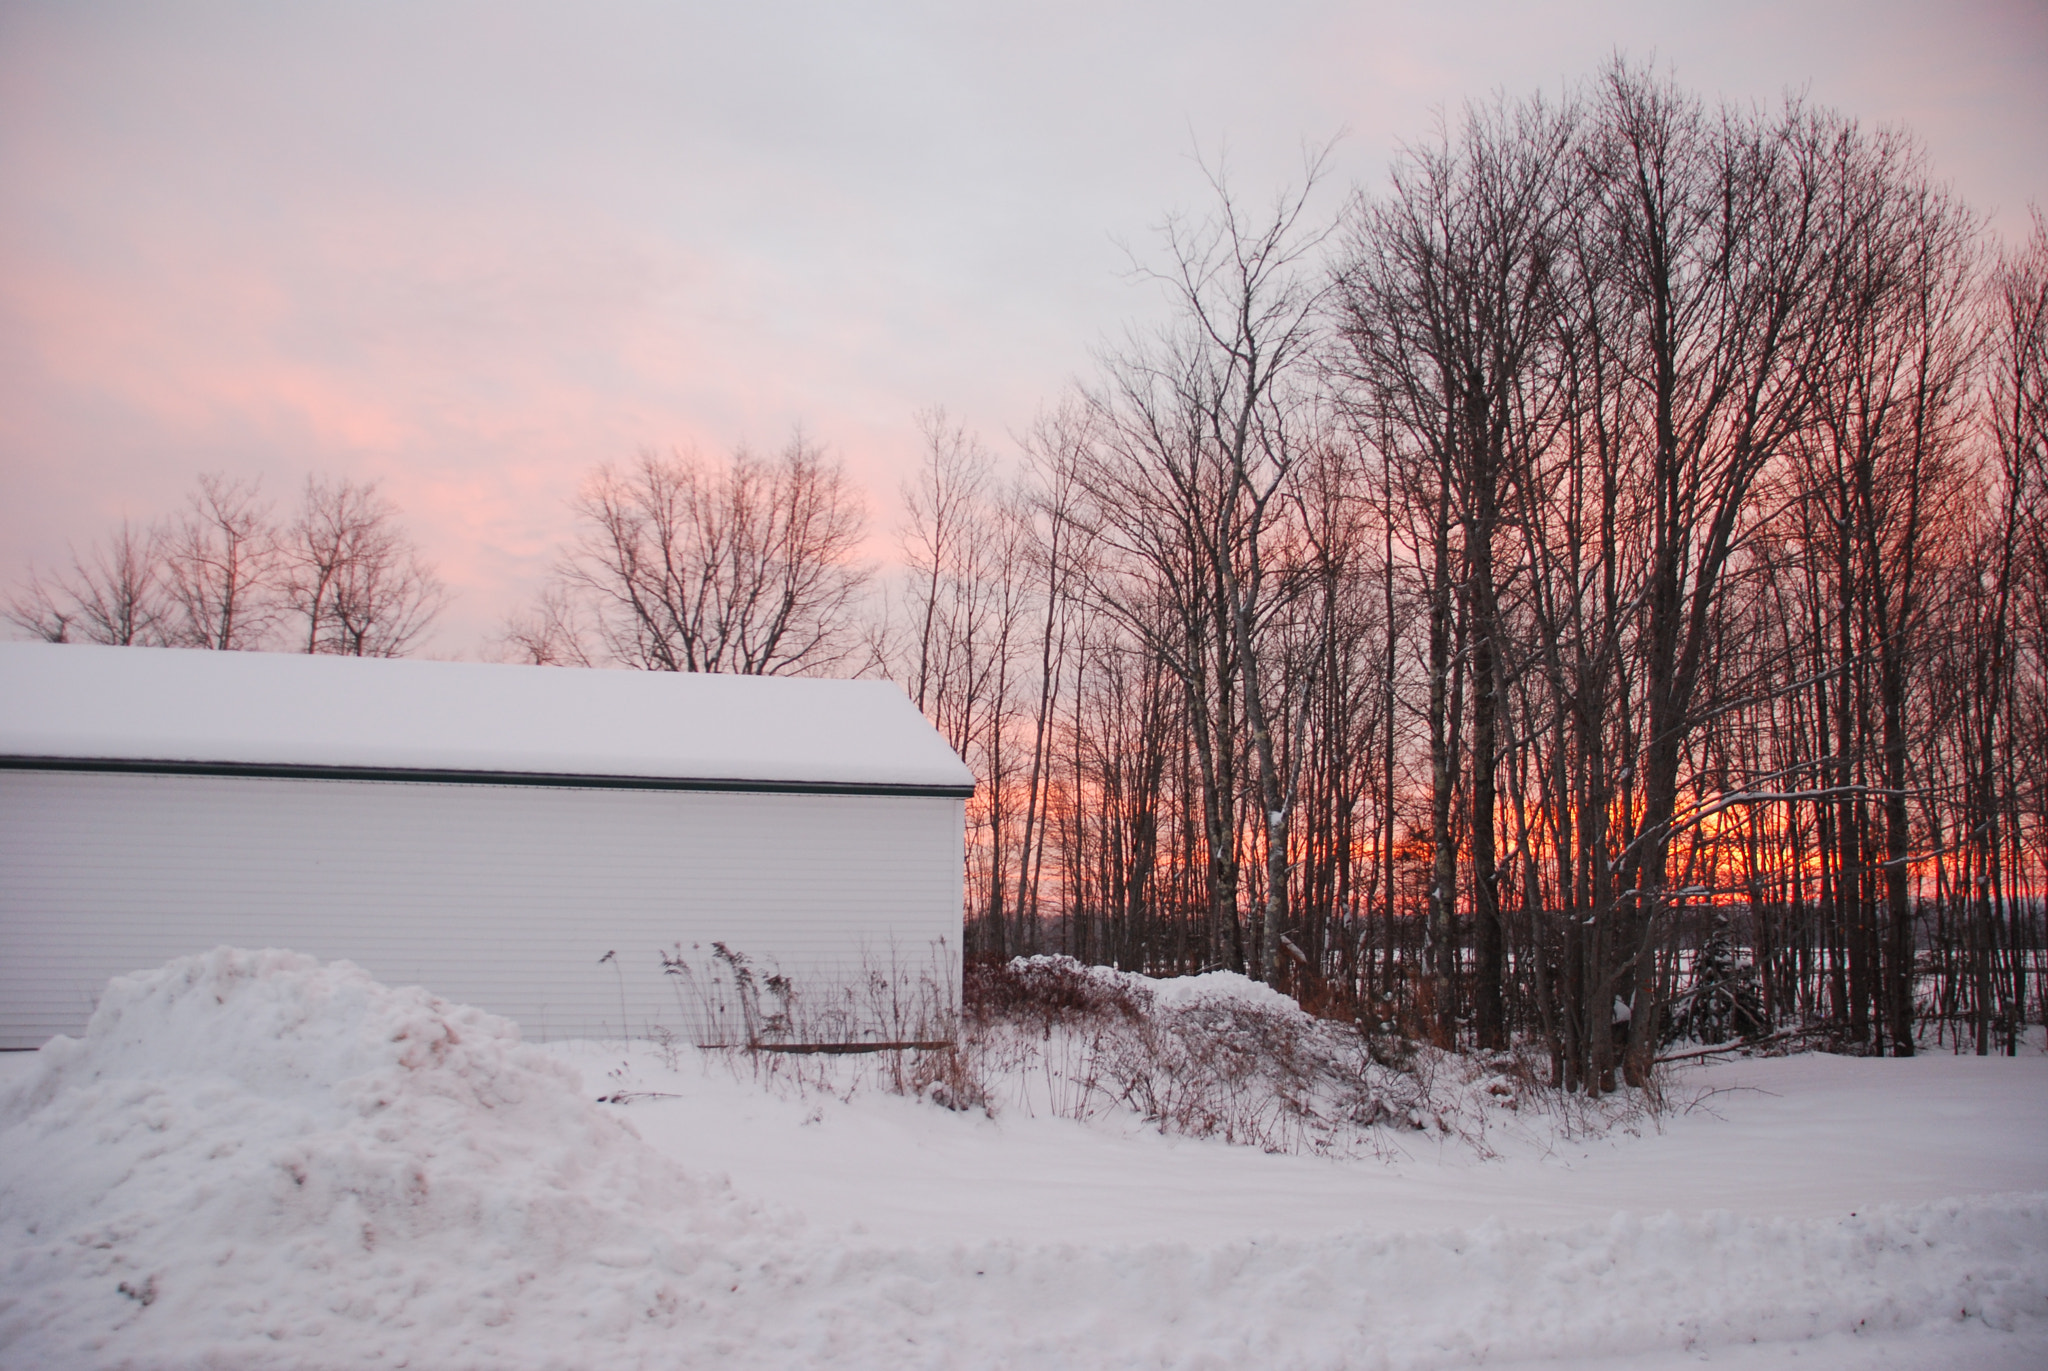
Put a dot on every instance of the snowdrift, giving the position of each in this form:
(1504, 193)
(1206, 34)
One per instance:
(255, 1160)
(254, 1149)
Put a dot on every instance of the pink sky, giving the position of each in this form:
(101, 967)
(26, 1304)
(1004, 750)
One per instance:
(471, 250)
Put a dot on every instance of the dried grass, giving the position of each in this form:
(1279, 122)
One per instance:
(1051, 1036)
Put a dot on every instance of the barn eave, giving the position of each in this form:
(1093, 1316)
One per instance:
(440, 776)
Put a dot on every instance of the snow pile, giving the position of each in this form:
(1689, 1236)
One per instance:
(1222, 1056)
(256, 1161)
(254, 1147)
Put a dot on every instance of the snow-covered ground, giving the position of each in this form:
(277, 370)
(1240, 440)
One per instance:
(253, 1160)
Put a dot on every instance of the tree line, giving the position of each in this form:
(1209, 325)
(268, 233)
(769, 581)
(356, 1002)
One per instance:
(336, 575)
(1591, 590)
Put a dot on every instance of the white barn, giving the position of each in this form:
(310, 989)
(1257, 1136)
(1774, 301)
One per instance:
(569, 848)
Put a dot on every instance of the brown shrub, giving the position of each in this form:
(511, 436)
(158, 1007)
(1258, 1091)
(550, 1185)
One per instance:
(1040, 993)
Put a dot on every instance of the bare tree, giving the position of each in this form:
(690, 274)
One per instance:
(113, 595)
(351, 575)
(744, 566)
(551, 633)
(1720, 267)
(941, 537)
(1884, 464)
(1205, 429)
(1450, 313)
(220, 559)
(2010, 569)
(1051, 452)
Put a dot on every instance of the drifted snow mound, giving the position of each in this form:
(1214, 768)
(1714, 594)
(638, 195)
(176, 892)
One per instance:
(254, 1148)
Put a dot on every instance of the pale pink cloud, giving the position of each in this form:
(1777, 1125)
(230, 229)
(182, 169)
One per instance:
(471, 251)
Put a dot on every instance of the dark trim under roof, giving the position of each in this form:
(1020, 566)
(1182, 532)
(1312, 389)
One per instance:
(431, 776)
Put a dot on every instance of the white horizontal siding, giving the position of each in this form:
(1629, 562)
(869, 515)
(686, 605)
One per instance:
(505, 897)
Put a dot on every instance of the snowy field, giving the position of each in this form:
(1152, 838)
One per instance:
(255, 1161)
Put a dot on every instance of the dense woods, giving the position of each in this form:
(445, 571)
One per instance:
(1590, 592)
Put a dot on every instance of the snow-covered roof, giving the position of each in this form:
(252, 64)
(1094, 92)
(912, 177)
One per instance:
(248, 711)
